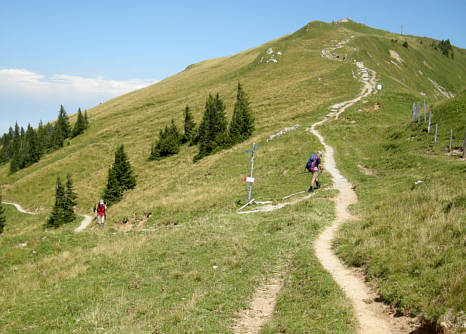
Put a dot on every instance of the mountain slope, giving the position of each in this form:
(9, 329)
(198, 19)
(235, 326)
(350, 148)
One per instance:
(191, 207)
(301, 83)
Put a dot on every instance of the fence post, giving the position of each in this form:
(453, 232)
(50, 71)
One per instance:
(425, 117)
(430, 118)
(451, 137)
(464, 141)
(436, 128)
(418, 111)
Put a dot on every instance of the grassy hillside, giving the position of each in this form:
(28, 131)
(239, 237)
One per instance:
(410, 238)
(165, 280)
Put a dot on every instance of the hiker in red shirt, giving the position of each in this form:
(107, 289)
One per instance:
(101, 213)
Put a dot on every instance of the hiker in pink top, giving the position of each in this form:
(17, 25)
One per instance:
(314, 167)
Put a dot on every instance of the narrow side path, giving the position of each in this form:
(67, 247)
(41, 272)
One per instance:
(20, 208)
(85, 222)
(261, 307)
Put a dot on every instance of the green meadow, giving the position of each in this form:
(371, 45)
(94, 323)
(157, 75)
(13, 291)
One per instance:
(175, 257)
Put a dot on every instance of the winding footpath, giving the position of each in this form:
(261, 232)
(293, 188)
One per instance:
(373, 317)
(84, 223)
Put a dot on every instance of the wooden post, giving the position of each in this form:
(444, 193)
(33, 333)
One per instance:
(451, 137)
(430, 118)
(425, 117)
(436, 129)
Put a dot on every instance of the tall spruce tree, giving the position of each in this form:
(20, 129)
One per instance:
(242, 122)
(113, 192)
(69, 201)
(2, 215)
(212, 130)
(121, 177)
(189, 126)
(58, 211)
(63, 123)
(33, 146)
(80, 124)
(57, 137)
(123, 170)
(86, 120)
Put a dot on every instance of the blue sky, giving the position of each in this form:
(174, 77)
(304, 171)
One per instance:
(78, 53)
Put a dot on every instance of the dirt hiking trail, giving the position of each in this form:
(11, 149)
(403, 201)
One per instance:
(373, 316)
(20, 208)
(85, 222)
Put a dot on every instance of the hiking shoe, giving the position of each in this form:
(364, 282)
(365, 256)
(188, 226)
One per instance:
(317, 185)
(310, 190)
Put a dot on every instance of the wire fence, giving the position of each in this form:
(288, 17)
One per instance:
(453, 140)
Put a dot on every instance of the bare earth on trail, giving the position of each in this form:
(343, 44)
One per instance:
(85, 223)
(372, 316)
(20, 208)
(261, 308)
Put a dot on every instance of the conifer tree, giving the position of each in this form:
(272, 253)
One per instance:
(69, 201)
(123, 170)
(242, 122)
(112, 193)
(56, 217)
(86, 120)
(212, 130)
(120, 177)
(14, 163)
(33, 146)
(189, 126)
(80, 124)
(63, 123)
(2, 215)
(58, 137)
(168, 143)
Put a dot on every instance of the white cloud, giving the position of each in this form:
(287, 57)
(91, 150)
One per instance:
(25, 82)
(26, 96)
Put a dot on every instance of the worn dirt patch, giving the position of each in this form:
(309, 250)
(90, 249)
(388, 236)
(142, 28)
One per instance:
(396, 56)
(260, 308)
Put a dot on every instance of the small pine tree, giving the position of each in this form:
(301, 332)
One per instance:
(123, 170)
(14, 163)
(112, 193)
(212, 130)
(57, 138)
(80, 124)
(56, 217)
(2, 215)
(242, 121)
(33, 146)
(63, 123)
(168, 143)
(69, 201)
(86, 120)
(120, 177)
(189, 126)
